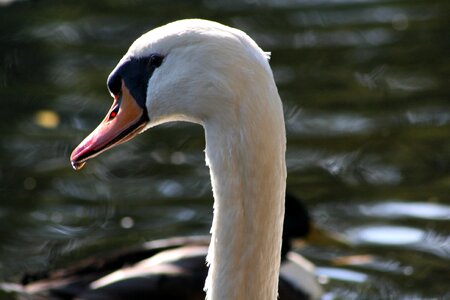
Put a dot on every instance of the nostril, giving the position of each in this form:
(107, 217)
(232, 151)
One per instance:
(112, 115)
(114, 112)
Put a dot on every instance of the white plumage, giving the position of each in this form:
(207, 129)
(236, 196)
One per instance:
(218, 77)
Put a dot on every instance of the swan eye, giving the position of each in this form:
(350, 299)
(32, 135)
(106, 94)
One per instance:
(155, 60)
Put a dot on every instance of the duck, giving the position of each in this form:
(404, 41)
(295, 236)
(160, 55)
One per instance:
(207, 73)
(171, 268)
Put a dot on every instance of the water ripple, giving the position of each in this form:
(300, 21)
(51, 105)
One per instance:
(386, 235)
(321, 123)
(341, 274)
(397, 209)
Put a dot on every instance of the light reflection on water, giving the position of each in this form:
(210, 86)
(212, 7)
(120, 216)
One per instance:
(342, 274)
(368, 121)
(317, 123)
(386, 235)
(397, 209)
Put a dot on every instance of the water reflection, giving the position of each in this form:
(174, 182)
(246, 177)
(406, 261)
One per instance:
(127, 222)
(342, 274)
(396, 209)
(386, 235)
(320, 123)
(46, 118)
(351, 168)
(436, 116)
(399, 17)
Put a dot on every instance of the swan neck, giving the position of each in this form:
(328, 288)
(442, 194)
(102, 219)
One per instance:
(248, 175)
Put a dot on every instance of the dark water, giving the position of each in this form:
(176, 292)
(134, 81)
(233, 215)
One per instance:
(365, 85)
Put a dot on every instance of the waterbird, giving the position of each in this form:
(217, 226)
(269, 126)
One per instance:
(172, 268)
(207, 73)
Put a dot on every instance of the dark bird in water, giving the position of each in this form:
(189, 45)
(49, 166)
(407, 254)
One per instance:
(171, 268)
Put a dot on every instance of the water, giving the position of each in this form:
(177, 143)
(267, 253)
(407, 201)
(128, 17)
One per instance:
(365, 91)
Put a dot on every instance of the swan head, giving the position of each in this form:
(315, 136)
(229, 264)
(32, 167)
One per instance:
(189, 70)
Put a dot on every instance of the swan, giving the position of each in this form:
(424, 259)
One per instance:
(207, 73)
(168, 269)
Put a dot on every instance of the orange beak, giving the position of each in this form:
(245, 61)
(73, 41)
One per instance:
(124, 120)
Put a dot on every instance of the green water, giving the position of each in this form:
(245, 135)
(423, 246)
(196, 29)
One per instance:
(365, 86)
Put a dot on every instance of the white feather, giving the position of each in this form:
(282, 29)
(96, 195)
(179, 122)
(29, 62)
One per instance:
(218, 77)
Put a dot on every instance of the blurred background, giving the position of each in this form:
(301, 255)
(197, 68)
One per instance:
(365, 86)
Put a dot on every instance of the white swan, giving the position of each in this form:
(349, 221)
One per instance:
(207, 73)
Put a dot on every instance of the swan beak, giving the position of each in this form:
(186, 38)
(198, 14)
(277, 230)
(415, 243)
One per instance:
(124, 120)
